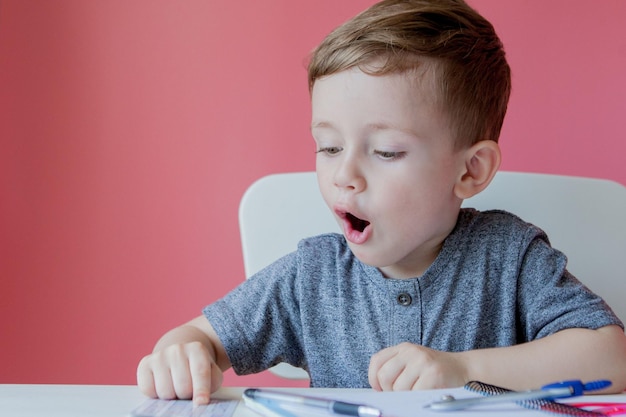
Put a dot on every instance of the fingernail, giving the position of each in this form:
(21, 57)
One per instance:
(201, 399)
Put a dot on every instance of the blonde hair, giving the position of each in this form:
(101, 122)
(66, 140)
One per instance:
(473, 80)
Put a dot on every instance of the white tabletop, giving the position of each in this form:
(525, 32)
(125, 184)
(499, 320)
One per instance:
(119, 401)
(31, 400)
(80, 400)
(68, 400)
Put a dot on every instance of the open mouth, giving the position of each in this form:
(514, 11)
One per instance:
(356, 230)
(356, 223)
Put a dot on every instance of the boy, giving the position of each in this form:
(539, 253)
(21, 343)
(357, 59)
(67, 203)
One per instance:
(408, 99)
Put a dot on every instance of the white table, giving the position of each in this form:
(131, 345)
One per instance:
(80, 400)
(119, 401)
(68, 400)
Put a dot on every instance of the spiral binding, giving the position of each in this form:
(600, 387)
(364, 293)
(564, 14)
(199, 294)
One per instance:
(542, 404)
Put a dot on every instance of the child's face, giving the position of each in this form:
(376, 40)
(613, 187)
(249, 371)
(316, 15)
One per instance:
(386, 167)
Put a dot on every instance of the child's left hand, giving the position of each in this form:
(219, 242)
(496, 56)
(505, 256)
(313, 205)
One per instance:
(408, 367)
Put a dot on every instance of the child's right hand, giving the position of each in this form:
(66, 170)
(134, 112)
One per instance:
(183, 364)
(182, 371)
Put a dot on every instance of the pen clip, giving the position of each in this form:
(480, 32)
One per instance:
(577, 387)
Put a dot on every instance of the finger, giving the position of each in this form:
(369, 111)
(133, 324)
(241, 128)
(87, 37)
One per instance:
(180, 373)
(202, 369)
(216, 377)
(145, 379)
(376, 361)
(384, 369)
(162, 379)
(389, 373)
(407, 378)
(422, 384)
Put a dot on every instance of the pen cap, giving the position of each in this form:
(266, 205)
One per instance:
(346, 409)
(577, 387)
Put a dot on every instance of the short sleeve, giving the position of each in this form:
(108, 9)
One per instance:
(257, 322)
(552, 299)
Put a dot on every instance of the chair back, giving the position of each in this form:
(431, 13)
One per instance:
(583, 217)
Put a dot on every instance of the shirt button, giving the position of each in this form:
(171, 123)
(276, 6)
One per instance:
(404, 299)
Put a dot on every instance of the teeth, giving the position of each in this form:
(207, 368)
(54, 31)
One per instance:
(357, 224)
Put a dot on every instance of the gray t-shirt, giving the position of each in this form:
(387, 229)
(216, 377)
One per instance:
(496, 282)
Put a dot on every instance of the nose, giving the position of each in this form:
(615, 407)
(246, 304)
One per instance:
(349, 174)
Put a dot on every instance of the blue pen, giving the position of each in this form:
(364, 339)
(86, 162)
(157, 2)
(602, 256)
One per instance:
(553, 391)
(336, 407)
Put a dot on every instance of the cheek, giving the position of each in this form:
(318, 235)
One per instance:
(419, 199)
(324, 182)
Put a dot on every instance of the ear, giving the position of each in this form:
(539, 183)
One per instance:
(479, 165)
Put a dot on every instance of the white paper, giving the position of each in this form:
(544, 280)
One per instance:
(185, 408)
(412, 403)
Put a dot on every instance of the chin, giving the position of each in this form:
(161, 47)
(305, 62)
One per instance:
(367, 257)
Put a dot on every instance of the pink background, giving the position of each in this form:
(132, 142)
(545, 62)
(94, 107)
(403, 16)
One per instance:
(130, 130)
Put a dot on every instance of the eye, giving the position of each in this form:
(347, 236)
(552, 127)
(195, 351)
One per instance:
(389, 155)
(329, 150)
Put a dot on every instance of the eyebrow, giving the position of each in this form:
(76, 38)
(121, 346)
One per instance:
(370, 126)
(321, 124)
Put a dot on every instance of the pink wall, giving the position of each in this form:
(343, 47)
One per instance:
(130, 129)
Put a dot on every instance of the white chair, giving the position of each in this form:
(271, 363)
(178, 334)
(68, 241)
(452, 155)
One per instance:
(583, 217)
